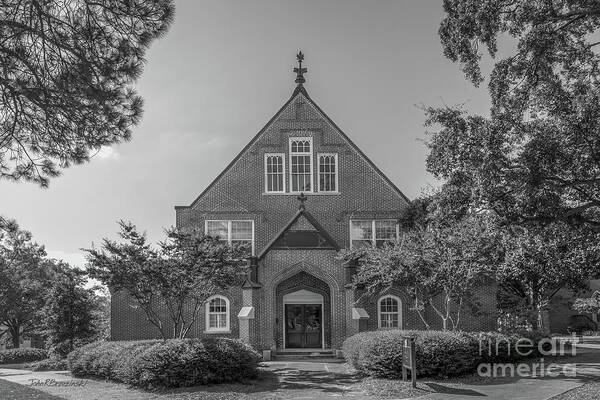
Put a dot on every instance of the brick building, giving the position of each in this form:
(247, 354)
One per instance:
(298, 192)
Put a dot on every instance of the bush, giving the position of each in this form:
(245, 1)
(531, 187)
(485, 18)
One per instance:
(169, 363)
(17, 356)
(438, 353)
(49, 364)
(502, 348)
(379, 353)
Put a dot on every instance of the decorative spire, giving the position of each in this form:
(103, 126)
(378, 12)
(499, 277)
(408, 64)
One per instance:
(302, 198)
(299, 70)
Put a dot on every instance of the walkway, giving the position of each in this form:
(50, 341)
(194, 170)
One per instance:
(315, 380)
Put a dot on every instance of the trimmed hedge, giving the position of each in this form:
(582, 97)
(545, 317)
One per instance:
(49, 364)
(169, 363)
(18, 356)
(439, 353)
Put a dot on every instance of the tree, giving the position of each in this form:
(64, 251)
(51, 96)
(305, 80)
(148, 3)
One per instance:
(24, 278)
(539, 261)
(536, 157)
(441, 259)
(71, 314)
(169, 284)
(66, 81)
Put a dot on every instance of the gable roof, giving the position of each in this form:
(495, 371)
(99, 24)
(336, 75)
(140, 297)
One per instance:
(311, 219)
(299, 90)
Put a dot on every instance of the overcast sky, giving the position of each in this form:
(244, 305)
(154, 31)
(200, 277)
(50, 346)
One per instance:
(218, 76)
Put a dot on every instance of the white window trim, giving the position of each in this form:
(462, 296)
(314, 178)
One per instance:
(337, 173)
(229, 241)
(389, 296)
(208, 329)
(312, 169)
(373, 234)
(282, 155)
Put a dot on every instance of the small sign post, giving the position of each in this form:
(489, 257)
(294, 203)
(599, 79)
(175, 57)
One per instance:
(409, 360)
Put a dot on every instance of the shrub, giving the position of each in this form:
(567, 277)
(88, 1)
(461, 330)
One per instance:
(438, 353)
(49, 364)
(169, 363)
(379, 353)
(496, 347)
(17, 356)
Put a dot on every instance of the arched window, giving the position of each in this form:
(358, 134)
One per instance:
(389, 311)
(217, 314)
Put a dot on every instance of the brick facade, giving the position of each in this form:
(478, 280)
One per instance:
(238, 193)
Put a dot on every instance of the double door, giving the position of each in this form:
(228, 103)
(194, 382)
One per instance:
(303, 326)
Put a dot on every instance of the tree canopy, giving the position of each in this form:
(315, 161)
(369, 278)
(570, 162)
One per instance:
(170, 283)
(43, 296)
(24, 277)
(66, 75)
(72, 314)
(540, 260)
(536, 157)
(444, 254)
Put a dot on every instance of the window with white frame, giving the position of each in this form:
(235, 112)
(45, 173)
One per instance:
(373, 232)
(274, 173)
(328, 172)
(217, 314)
(389, 312)
(232, 232)
(301, 174)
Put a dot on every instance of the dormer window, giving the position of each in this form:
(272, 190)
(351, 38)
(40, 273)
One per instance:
(301, 165)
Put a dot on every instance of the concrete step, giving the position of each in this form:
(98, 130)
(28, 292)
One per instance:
(292, 355)
(308, 359)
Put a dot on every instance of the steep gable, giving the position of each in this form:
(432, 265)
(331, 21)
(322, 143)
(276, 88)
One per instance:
(239, 191)
(295, 107)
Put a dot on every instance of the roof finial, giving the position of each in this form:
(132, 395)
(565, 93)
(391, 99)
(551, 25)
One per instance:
(302, 198)
(299, 70)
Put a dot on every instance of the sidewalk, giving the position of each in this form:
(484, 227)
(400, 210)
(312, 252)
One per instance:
(319, 380)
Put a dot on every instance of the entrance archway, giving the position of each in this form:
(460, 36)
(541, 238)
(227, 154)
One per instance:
(303, 305)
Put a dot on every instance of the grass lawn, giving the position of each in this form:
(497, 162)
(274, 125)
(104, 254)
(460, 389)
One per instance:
(386, 388)
(14, 391)
(589, 391)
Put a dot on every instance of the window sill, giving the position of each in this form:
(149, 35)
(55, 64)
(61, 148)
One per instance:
(216, 332)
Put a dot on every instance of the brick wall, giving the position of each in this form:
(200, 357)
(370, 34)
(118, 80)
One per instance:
(483, 318)
(285, 271)
(239, 192)
(129, 323)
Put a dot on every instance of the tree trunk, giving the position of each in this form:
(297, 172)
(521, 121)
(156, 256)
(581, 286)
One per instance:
(543, 320)
(535, 312)
(15, 333)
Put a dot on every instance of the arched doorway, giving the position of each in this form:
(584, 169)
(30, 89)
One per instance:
(303, 305)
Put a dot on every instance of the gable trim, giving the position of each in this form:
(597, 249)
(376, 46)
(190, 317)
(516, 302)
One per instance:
(358, 150)
(239, 155)
(297, 91)
(310, 219)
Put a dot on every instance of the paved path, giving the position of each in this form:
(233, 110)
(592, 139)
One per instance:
(316, 380)
(313, 380)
